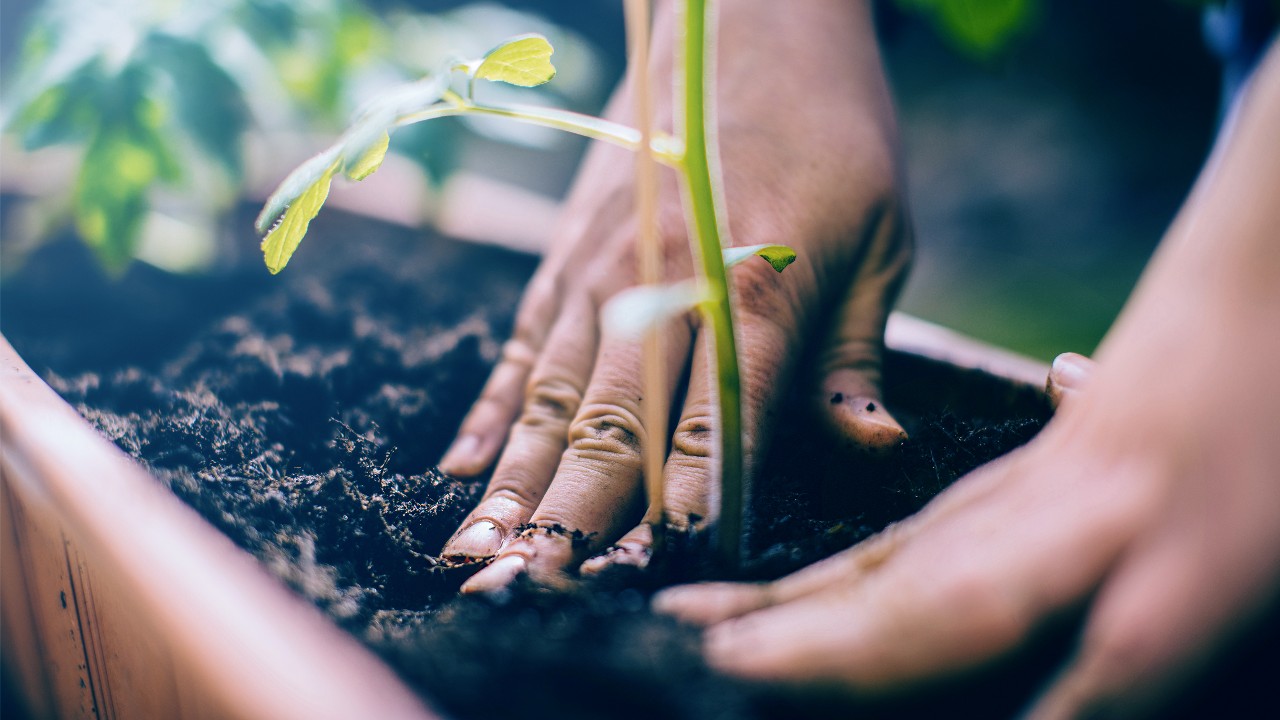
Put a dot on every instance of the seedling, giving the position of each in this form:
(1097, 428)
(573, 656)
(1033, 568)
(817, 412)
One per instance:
(691, 152)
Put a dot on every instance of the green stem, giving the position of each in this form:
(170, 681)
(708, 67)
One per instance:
(665, 149)
(700, 187)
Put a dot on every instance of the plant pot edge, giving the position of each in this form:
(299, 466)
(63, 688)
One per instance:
(113, 540)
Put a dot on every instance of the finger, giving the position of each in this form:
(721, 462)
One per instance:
(633, 550)
(483, 430)
(850, 396)
(1167, 611)
(766, 333)
(686, 483)
(710, 603)
(597, 489)
(529, 461)
(959, 592)
(1068, 376)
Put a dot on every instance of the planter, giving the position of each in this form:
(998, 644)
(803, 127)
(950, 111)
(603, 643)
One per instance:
(120, 601)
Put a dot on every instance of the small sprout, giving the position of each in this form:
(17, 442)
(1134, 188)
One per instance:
(524, 61)
(779, 256)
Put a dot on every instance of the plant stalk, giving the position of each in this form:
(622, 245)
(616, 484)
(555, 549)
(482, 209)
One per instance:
(665, 149)
(649, 257)
(700, 182)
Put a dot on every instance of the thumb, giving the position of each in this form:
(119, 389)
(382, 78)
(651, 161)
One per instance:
(1068, 376)
(849, 393)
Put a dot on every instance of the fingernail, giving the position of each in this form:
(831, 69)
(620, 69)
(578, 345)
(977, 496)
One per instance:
(481, 539)
(497, 576)
(874, 427)
(622, 555)
(1072, 371)
(460, 456)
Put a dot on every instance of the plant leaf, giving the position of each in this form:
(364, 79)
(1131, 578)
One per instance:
(634, 311)
(979, 28)
(111, 195)
(371, 160)
(299, 181)
(204, 97)
(524, 60)
(779, 256)
(279, 244)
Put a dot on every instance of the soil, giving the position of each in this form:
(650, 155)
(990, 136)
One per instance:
(301, 415)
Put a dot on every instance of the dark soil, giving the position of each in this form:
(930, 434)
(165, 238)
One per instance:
(301, 415)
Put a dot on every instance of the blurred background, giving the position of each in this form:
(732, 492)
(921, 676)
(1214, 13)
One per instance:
(1048, 143)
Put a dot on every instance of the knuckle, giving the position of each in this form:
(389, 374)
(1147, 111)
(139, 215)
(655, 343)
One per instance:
(519, 351)
(607, 430)
(693, 436)
(861, 354)
(550, 401)
(894, 240)
(490, 401)
(511, 490)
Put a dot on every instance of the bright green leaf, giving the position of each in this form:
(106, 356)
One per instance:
(303, 178)
(779, 256)
(633, 312)
(984, 27)
(523, 61)
(279, 244)
(978, 28)
(370, 161)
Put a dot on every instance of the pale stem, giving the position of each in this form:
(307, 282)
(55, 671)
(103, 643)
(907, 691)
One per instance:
(664, 149)
(649, 258)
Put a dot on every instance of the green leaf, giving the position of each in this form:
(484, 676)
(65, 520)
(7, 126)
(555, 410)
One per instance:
(370, 161)
(635, 311)
(303, 178)
(279, 244)
(205, 99)
(979, 28)
(779, 256)
(110, 200)
(68, 111)
(523, 61)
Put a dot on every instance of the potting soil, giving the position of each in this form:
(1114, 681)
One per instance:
(302, 415)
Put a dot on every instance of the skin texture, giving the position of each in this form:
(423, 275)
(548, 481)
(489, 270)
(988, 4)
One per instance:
(561, 413)
(1150, 501)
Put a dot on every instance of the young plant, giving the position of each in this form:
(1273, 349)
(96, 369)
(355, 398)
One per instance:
(691, 152)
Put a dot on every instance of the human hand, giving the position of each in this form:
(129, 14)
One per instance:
(807, 161)
(1152, 499)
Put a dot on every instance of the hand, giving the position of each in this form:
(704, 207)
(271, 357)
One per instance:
(807, 161)
(1152, 499)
